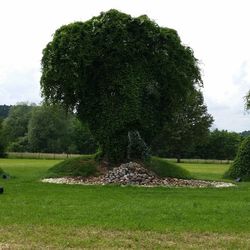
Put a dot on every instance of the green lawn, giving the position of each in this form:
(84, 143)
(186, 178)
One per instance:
(206, 171)
(38, 215)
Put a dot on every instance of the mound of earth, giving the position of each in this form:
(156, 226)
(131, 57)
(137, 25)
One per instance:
(134, 174)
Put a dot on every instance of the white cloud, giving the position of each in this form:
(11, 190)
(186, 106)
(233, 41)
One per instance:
(216, 30)
(19, 85)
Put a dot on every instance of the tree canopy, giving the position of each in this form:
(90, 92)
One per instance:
(15, 127)
(189, 127)
(221, 144)
(48, 129)
(52, 130)
(44, 129)
(122, 75)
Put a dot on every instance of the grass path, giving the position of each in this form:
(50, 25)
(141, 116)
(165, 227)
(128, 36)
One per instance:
(61, 216)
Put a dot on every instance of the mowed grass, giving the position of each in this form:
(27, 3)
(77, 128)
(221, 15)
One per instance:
(38, 215)
(206, 171)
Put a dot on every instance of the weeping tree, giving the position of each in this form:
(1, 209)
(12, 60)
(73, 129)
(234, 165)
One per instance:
(124, 76)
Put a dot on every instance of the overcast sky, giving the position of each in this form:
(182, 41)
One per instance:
(217, 31)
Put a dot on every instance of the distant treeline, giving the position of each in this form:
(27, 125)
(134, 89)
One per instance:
(219, 144)
(45, 129)
(49, 129)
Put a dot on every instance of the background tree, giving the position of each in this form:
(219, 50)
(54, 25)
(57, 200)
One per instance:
(48, 130)
(221, 144)
(15, 127)
(52, 130)
(63, 132)
(81, 139)
(188, 128)
(122, 75)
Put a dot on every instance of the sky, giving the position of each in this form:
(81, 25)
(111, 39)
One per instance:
(217, 31)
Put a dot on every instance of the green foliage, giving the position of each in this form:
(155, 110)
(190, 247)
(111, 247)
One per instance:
(218, 144)
(48, 129)
(51, 129)
(80, 166)
(188, 127)
(21, 144)
(241, 165)
(45, 129)
(120, 74)
(2, 151)
(164, 168)
(15, 126)
(221, 144)
(81, 140)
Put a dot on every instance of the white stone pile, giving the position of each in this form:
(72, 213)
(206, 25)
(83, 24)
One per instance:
(130, 173)
(133, 173)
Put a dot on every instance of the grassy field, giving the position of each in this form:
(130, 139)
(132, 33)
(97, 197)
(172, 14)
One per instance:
(35, 215)
(206, 171)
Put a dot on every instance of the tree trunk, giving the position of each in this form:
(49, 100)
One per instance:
(178, 159)
(124, 147)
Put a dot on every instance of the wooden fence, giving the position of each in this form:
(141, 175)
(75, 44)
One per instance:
(28, 155)
(211, 161)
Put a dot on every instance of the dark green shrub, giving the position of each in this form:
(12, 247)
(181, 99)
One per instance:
(241, 165)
